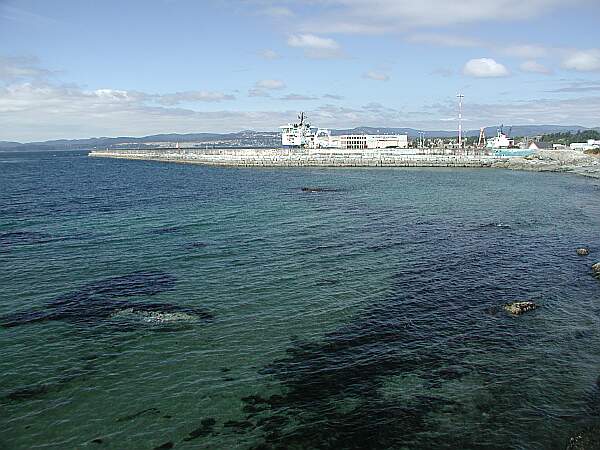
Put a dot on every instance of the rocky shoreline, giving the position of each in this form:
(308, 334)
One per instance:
(554, 161)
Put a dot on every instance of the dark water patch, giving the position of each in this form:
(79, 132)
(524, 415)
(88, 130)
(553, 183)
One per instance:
(196, 245)
(165, 230)
(28, 393)
(239, 426)
(388, 244)
(107, 298)
(165, 446)
(144, 412)
(317, 189)
(326, 282)
(206, 428)
(12, 239)
(405, 334)
(492, 226)
(272, 423)
(24, 238)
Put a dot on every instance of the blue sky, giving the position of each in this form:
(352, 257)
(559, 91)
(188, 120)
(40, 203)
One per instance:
(72, 69)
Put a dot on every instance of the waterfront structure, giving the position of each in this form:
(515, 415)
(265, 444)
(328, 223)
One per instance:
(591, 144)
(301, 135)
(296, 134)
(501, 141)
(540, 145)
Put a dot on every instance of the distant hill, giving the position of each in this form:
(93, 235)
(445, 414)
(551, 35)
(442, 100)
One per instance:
(249, 138)
(516, 130)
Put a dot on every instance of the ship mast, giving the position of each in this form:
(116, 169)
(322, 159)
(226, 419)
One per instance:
(460, 97)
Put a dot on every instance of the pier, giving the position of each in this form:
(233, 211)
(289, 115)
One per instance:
(299, 158)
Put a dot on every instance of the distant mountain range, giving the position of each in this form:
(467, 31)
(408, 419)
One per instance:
(513, 131)
(251, 138)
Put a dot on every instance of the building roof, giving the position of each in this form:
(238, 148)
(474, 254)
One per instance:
(541, 145)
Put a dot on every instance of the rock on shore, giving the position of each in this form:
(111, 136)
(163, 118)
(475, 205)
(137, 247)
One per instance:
(587, 439)
(554, 161)
(518, 308)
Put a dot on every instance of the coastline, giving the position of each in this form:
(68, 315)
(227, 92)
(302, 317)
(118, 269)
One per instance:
(541, 161)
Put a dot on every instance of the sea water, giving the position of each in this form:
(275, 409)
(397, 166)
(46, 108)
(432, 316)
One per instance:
(148, 304)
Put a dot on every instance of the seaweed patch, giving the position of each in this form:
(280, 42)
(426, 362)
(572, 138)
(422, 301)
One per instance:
(138, 414)
(206, 428)
(28, 393)
(108, 298)
(165, 446)
(165, 230)
(338, 391)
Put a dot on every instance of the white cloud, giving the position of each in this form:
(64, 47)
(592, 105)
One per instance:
(315, 46)
(445, 72)
(261, 88)
(298, 97)
(21, 68)
(377, 16)
(255, 92)
(534, 67)
(270, 84)
(525, 51)
(445, 40)
(578, 86)
(42, 111)
(269, 54)
(193, 96)
(312, 41)
(377, 76)
(583, 60)
(484, 68)
(573, 111)
(278, 11)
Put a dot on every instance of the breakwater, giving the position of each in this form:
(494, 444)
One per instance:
(299, 158)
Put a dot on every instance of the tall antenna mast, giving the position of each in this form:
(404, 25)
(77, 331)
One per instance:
(460, 97)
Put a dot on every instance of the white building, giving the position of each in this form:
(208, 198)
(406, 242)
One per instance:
(301, 135)
(591, 144)
(540, 145)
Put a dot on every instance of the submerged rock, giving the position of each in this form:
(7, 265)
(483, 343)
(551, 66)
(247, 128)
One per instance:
(206, 428)
(156, 317)
(582, 251)
(588, 439)
(318, 189)
(114, 299)
(518, 308)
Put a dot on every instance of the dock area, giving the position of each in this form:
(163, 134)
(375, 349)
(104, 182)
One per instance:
(299, 158)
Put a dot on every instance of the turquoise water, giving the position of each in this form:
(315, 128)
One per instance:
(147, 304)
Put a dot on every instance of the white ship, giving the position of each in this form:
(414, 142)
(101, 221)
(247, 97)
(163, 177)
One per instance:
(302, 135)
(501, 141)
(502, 145)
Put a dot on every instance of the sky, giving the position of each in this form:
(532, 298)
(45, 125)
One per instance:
(83, 68)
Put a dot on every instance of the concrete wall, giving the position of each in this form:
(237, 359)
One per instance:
(297, 158)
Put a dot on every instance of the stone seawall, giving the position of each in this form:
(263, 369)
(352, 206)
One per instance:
(296, 158)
